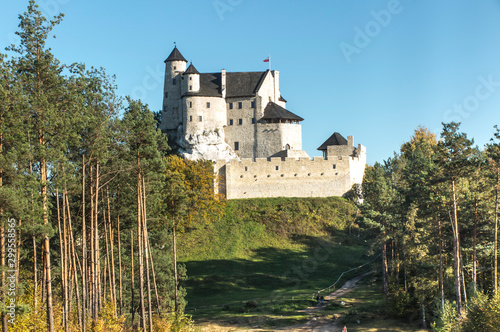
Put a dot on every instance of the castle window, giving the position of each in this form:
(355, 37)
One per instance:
(230, 122)
(253, 104)
(200, 118)
(246, 168)
(190, 78)
(334, 166)
(208, 105)
(230, 106)
(277, 168)
(236, 146)
(190, 104)
(175, 67)
(240, 104)
(190, 118)
(253, 120)
(190, 87)
(240, 121)
(166, 94)
(174, 81)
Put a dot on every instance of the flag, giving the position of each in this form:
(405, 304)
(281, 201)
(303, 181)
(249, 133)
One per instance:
(266, 59)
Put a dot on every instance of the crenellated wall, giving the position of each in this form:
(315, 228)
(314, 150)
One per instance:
(289, 177)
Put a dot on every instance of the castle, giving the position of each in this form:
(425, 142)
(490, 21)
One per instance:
(239, 121)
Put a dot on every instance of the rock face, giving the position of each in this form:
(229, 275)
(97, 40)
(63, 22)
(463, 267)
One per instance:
(207, 145)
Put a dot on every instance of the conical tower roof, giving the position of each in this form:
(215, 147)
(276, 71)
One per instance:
(175, 56)
(191, 70)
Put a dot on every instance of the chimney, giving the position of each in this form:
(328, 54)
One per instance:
(350, 141)
(276, 85)
(223, 83)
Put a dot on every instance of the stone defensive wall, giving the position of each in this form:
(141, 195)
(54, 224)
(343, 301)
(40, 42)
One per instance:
(286, 177)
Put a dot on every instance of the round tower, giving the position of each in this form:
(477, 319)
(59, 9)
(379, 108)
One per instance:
(175, 66)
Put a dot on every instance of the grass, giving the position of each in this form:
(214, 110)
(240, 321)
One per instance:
(277, 252)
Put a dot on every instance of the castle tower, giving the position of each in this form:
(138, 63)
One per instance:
(191, 80)
(175, 66)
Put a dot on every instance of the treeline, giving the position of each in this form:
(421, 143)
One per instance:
(95, 200)
(434, 205)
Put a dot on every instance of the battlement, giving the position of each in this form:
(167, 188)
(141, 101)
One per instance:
(290, 177)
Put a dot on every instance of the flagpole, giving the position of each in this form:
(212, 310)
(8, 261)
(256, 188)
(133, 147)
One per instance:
(269, 63)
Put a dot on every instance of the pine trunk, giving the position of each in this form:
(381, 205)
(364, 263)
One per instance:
(385, 272)
(46, 243)
(84, 252)
(456, 251)
(112, 249)
(120, 264)
(474, 247)
(140, 252)
(146, 255)
(132, 284)
(176, 306)
(495, 244)
(441, 283)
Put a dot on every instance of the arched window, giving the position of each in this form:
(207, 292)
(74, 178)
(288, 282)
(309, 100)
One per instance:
(287, 147)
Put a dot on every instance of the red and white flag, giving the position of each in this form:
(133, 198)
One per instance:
(266, 59)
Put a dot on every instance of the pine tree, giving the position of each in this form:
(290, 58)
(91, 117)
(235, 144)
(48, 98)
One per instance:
(453, 156)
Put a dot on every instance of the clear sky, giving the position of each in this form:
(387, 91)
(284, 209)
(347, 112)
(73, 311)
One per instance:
(372, 69)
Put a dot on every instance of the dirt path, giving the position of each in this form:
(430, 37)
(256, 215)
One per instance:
(315, 324)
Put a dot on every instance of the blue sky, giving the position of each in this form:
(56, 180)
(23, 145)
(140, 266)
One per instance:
(372, 69)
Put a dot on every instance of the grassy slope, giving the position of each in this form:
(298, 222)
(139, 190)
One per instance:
(264, 247)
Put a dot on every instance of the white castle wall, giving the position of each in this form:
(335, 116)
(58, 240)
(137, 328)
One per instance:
(212, 119)
(289, 177)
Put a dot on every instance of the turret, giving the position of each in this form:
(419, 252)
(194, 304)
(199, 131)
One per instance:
(191, 80)
(175, 65)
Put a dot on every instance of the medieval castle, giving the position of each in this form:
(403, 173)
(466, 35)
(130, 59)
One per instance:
(240, 122)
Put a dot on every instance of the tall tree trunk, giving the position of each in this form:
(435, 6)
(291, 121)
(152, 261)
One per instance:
(146, 255)
(120, 264)
(35, 273)
(46, 243)
(495, 245)
(92, 264)
(158, 307)
(174, 240)
(62, 259)
(456, 251)
(140, 252)
(132, 284)
(74, 265)
(112, 249)
(385, 272)
(474, 247)
(84, 252)
(96, 243)
(441, 283)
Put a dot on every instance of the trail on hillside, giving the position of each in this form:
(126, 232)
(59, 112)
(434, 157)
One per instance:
(315, 324)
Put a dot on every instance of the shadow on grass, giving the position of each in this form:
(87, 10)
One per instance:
(270, 271)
